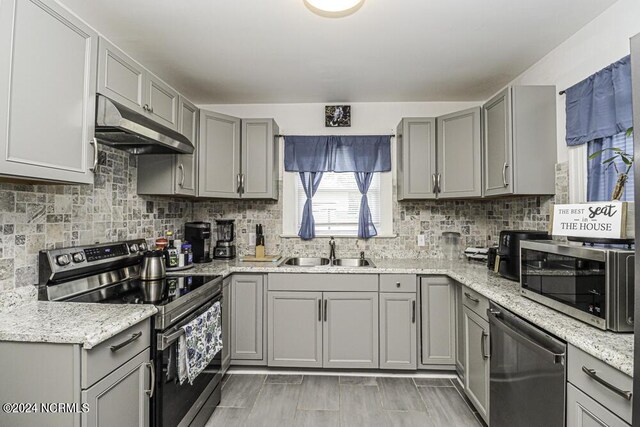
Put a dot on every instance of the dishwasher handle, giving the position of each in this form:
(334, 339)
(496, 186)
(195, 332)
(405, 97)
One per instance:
(528, 335)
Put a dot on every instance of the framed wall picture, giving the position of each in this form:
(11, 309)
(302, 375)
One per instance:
(337, 116)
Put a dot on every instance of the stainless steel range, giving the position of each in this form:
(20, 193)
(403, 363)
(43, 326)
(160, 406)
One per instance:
(110, 274)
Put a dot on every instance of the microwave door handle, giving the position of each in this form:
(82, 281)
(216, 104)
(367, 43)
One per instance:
(496, 321)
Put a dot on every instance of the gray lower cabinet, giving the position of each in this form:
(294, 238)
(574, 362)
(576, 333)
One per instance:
(294, 333)
(122, 397)
(247, 310)
(350, 333)
(476, 379)
(226, 324)
(48, 69)
(460, 340)
(416, 154)
(519, 153)
(437, 313)
(172, 174)
(398, 331)
(583, 411)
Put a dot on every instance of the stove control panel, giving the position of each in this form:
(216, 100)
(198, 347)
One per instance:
(104, 252)
(63, 260)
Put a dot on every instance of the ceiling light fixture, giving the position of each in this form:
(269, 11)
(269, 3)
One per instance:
(334, 8)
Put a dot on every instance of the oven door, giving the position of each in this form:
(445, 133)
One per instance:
(571, 280)
(176, 404)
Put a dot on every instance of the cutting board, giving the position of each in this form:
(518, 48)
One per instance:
(266, 258)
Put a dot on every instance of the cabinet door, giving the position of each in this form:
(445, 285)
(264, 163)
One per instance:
(498, 172)
(219, 156)
(416, 145)
(294, 329)
(259, 159)
(398, 333)
(163, 102)
(350, 331)
(583, 411)
(120, 78)
(459, 156)
(476, 381)
(122, 397)
(186, 166)
(226, 324)
(460, 342)
(246, 316)
(48, 68)
(437, 309)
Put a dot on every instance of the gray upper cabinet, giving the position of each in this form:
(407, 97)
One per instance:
(294, 329)
(398, 332)
(247, 308)
(437, 312)
(237, 158)
(122, 397)
(48, 69)
(520, 141)
(459, 154)
(219, 156)
(416, 158)
(121, 78)
(167, 174)
(259, 179)
(162, 102)
(350, 333)
(476, 380)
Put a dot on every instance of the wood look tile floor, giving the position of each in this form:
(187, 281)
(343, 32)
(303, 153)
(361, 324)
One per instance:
(348, 401)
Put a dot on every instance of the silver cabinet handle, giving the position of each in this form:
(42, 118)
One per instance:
(397, 284)
(325, 310)
(504, 174)
(469, 297)
(238, 184)
(594, 375)
(319, 310)
(483, 345)
(433, 183)
(145, 107)
(152, 369)
(242, 183)
(439, 176)
(151, 109)
(94, 143)
(413, 311)
(181, 168)
(134, 337)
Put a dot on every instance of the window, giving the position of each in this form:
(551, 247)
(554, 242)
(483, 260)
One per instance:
(336, 204)
(601, 180)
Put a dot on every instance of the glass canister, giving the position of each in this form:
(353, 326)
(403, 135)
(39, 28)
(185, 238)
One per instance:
(451, 245)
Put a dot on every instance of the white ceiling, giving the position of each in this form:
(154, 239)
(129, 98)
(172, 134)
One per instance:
(276, 51)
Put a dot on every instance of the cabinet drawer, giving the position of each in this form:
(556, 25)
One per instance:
(397, 283)
(107, 356)
(596, 390)
(323, 282)
(584, 411)
(476, 302)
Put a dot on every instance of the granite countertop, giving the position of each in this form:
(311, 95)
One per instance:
(615, 349)
(23, 318)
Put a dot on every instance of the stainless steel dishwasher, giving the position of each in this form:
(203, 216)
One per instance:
(527, 374)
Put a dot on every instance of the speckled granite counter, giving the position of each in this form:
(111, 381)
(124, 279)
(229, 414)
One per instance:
(612, 348)
(67, 323)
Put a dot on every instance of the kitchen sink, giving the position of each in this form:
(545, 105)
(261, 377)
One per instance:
(353, 262)
(316, 262)
(305, 262)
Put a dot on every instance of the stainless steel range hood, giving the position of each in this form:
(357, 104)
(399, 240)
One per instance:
(125, 129)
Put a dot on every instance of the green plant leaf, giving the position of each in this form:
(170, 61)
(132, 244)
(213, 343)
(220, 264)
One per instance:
(626, 160)
(630, 131)
(609, 160)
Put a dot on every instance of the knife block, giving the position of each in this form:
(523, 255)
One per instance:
(259, 251)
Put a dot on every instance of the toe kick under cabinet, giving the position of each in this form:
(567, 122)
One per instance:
(323, 320)
(108, 385)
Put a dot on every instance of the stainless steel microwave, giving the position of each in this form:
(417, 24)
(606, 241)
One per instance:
(592, 284)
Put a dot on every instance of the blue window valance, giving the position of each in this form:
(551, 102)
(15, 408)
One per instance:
(337, 153)
(310, 156)
(600, 105)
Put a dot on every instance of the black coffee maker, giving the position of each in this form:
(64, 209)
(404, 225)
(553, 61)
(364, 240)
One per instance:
(508, 255)
(199, 235)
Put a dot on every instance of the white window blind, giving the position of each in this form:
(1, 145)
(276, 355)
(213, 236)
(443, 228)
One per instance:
(336, 204)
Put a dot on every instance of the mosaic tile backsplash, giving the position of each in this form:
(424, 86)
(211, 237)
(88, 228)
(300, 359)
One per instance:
(33, 217)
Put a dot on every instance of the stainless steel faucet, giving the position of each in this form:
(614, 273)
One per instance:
(332, 249)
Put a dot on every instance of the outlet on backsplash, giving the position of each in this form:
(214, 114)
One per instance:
(421, 240)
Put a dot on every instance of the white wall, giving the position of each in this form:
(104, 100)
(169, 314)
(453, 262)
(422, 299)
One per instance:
(601, 42)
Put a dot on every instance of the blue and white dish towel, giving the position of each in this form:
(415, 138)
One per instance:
(201, 341)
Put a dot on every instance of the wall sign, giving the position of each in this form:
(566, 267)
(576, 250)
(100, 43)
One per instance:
(604, 220)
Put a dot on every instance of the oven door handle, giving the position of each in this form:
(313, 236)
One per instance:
(168, 339)
(165, 340)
